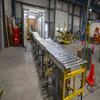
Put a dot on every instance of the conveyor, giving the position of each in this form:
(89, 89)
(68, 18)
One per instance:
(65, 62)
(59, 53)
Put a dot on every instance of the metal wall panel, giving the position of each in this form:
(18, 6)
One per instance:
(7, 4)
(42, 3)
(76, 23)
(51, 16)
(46, 15)
(59, 5)
(65, 7)
(18, 10)
(77, 11)
(70, 8)
(61, 18)
(52, 4)
(70, 22)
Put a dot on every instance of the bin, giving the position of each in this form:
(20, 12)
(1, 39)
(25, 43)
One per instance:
(87, 55)
(16, 36)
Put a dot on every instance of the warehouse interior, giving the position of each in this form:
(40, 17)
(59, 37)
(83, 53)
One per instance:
(49, 49)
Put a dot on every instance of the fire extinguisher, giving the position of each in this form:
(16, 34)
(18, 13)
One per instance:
(16, 36)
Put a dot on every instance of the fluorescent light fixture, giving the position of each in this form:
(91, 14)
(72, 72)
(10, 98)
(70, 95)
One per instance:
(61, 29)
(25, 14)
(25, 11)
(31, 10)
(90, 10)
(65, 29)
(57, 28)
(46, 27)
(30, 16)
(34, 11)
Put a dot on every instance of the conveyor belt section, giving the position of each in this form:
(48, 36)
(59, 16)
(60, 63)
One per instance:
(66, 59)
(61, 66)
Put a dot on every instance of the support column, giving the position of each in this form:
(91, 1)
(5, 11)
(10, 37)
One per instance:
(4, 27)
(13, 8)
(68, 16)
(54, 14)
(49, 19)
(73, 18)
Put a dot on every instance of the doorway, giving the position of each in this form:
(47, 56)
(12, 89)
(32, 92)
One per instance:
(34, 21)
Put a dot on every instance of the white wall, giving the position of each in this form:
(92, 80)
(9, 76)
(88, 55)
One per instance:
(76, 24)
(7, 4)
(41, 26)
(61, 18)
(70, 22)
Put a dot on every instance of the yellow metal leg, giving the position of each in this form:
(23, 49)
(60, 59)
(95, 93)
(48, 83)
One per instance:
(72, 75)
(63, 88)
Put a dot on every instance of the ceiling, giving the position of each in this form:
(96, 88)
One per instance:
(33, 11)
(95, 4)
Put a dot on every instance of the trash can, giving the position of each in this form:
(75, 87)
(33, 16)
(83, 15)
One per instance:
(87, 55)
(16, 36)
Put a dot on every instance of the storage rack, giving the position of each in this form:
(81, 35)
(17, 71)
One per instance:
(62, 66)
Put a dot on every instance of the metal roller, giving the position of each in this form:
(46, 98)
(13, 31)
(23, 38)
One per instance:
(77, 64)
(61, 56)
(68, 58)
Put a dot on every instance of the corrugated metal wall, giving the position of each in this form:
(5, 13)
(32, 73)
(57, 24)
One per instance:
(61, 19)
(64, 12)
(7, 4)
(42, 3)
(18, 10)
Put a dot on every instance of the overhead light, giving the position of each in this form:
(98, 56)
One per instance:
(30, 10)
(57, 28)
(25, 14)
(34, 11)
(65, 29)
(90, 10)
(25, 11)
(61, 29)
(33, 17)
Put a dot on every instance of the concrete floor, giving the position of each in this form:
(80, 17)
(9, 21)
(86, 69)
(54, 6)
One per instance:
(19, 79)
(18, 75)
